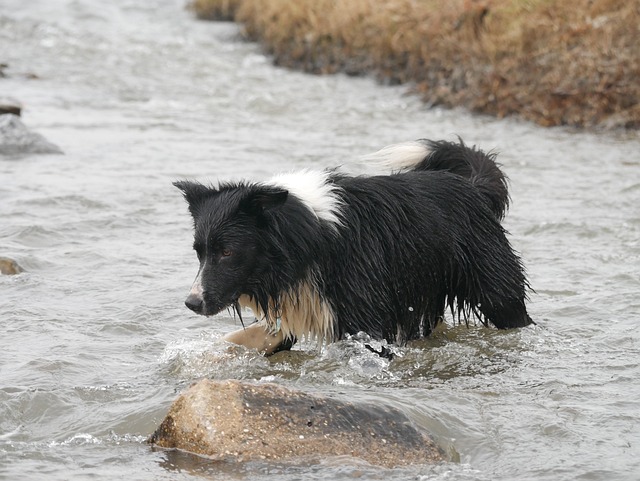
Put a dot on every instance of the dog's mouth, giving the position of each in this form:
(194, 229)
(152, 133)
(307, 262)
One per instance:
(201, 305)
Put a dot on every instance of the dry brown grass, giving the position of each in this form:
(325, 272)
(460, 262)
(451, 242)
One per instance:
(214, 9)
(556, 63)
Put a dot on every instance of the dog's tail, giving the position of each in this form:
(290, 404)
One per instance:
(479, 167)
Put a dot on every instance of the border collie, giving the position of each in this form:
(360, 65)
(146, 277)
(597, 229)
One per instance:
(320, 254)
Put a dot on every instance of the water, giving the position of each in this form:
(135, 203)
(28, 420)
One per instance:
(96, 342)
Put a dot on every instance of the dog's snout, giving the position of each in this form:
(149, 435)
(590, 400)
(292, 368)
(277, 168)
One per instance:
(195, 303)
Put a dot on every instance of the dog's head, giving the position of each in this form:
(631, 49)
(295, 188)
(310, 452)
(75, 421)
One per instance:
(228, 222)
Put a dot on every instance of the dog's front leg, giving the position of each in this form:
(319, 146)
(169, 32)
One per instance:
(257, 336)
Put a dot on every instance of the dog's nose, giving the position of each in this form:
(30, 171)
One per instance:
(194, 303)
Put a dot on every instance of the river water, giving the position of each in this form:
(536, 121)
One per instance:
(96, 341)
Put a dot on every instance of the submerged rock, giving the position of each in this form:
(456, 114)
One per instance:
(16, 138)
(9, 267)
(243, 421)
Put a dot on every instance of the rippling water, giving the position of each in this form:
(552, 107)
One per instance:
(96, 342)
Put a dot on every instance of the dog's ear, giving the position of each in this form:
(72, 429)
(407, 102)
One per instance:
(194, 193)
(263, 199)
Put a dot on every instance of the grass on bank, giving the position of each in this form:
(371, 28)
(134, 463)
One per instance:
(555, 63)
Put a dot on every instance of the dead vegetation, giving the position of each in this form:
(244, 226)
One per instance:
(555, 63)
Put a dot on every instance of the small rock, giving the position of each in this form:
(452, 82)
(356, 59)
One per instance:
(6, 108)
(9, 105)
(15, 138)
(26, 75)
(244, 421)
(9, 267)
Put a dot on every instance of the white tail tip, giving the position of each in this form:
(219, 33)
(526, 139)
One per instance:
(400, 156)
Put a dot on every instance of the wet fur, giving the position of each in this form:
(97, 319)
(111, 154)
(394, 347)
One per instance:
(386, 255)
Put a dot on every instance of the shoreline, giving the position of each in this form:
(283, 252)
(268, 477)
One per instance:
(572, 65)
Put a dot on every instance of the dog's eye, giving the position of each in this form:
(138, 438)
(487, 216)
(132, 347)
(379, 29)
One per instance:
(226, 252)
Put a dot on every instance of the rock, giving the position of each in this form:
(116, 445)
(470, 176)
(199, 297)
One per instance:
(9, 267)
(243, 421)
(6, 108)
(15, 138)
(10, 106)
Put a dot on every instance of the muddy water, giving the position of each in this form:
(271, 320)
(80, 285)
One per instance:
(96, 341)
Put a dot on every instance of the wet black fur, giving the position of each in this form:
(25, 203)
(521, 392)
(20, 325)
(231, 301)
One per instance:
(412, 245)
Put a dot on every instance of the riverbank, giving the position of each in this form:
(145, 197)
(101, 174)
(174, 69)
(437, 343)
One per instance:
(553, 63)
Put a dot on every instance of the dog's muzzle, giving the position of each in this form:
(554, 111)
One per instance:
(195, 299)
(195, 303)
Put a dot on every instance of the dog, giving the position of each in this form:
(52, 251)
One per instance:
(321, 254)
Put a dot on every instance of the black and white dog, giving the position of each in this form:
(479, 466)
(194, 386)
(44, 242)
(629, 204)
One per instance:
(319, 254)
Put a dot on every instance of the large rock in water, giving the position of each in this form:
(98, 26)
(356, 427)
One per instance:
(16, 139)
(243, 421)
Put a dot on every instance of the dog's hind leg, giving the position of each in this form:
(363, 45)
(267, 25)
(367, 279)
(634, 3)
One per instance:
(258, 336)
